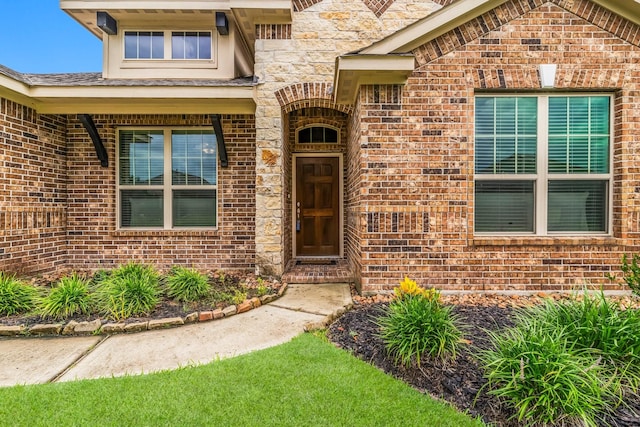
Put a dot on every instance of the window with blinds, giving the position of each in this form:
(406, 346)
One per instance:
(542, 164)
(167, 178)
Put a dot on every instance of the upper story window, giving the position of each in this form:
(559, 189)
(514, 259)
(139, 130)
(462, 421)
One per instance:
(317, 135)
(190, 45)
(183, 45)
(167, 178)
(542, 164)
(144, 45)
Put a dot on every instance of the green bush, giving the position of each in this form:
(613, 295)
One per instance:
(132, 289)
(595, 323)
(417, 324)
(185, 284)
(538, 372)
(15, 296)
(566, 360)
(631, 272)
(69, 296)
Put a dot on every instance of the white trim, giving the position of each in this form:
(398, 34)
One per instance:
(542, 177)
(294, 201)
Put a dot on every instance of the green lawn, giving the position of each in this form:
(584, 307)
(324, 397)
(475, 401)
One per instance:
(306, 382)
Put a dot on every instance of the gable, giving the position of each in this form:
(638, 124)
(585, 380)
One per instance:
(465, 21)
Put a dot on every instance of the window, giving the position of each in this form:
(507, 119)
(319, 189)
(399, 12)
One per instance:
(317, 135)
(185, 45)
(542, 164)
(167, 178)
(191, 45)
(143, 45)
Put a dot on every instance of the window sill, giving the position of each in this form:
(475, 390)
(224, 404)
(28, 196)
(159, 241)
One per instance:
(543, 241)
(191, 232)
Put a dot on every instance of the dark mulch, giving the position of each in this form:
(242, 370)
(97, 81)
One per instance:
(166, 308)
(459, 382)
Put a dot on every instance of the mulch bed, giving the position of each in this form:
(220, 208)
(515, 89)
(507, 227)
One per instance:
(166, 307)
(459, 382)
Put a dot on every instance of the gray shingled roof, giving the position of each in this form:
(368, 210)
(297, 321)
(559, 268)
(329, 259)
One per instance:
(95, 79)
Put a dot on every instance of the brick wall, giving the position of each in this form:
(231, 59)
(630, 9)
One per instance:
(95, 242)
(33, 197)
(416, 201)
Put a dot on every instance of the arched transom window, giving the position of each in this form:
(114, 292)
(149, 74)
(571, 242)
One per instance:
(317, 134)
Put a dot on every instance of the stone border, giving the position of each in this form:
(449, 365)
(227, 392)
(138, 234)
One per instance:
(100, 327)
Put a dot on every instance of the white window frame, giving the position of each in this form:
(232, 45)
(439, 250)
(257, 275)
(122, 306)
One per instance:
(167, 187)
(167, 60)
(542, 177)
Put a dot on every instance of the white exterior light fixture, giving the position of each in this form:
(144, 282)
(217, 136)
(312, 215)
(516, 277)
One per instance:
(547, 75)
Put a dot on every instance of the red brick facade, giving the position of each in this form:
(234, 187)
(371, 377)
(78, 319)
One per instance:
(417, 143)
(33, 190)
(59, 204)
(408, 156)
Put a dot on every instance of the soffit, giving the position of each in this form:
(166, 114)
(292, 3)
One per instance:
(179, 14)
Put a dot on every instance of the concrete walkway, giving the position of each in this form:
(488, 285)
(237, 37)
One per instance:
(42, 360)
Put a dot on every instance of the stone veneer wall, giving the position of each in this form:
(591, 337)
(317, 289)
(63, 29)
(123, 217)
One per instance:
(417, 142)
(320, 31)
(33, 196)
(95, 242)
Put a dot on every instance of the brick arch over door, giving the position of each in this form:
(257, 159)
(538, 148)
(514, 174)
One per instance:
(307, 95)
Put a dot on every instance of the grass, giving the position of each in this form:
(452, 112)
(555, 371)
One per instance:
(306, 382)
(130, 290)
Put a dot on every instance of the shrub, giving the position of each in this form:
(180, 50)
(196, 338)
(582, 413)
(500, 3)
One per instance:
(186, 284)
(595, 323)
(130, 290)
(69, 296)
(547, 381)
(416, 323)
(631, 272)
(15, 296)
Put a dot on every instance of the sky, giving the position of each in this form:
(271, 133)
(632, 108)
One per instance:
(36, 36)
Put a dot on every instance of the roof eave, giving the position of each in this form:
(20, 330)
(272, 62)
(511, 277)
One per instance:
(353, 71)
(131, 99)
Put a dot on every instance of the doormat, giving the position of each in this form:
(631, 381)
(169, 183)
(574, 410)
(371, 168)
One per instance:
(316, 262)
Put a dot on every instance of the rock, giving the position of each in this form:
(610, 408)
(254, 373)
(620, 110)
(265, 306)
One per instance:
(217, 314)
(230, 311)
(12, 331)
(255, 302)
(191, 318)
(136, 327)
(266, 299)
(69, 328)
(85, 328)
(46, 329)
(113, 328)
(165, 323)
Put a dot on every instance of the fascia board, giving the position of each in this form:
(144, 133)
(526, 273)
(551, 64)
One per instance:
(142, 92)
(434, 25)
(628, 9)
(352, 71)
(145, 106)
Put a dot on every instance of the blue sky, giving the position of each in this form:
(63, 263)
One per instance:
(37, 37)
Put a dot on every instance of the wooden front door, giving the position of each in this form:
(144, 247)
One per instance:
(317, 210)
